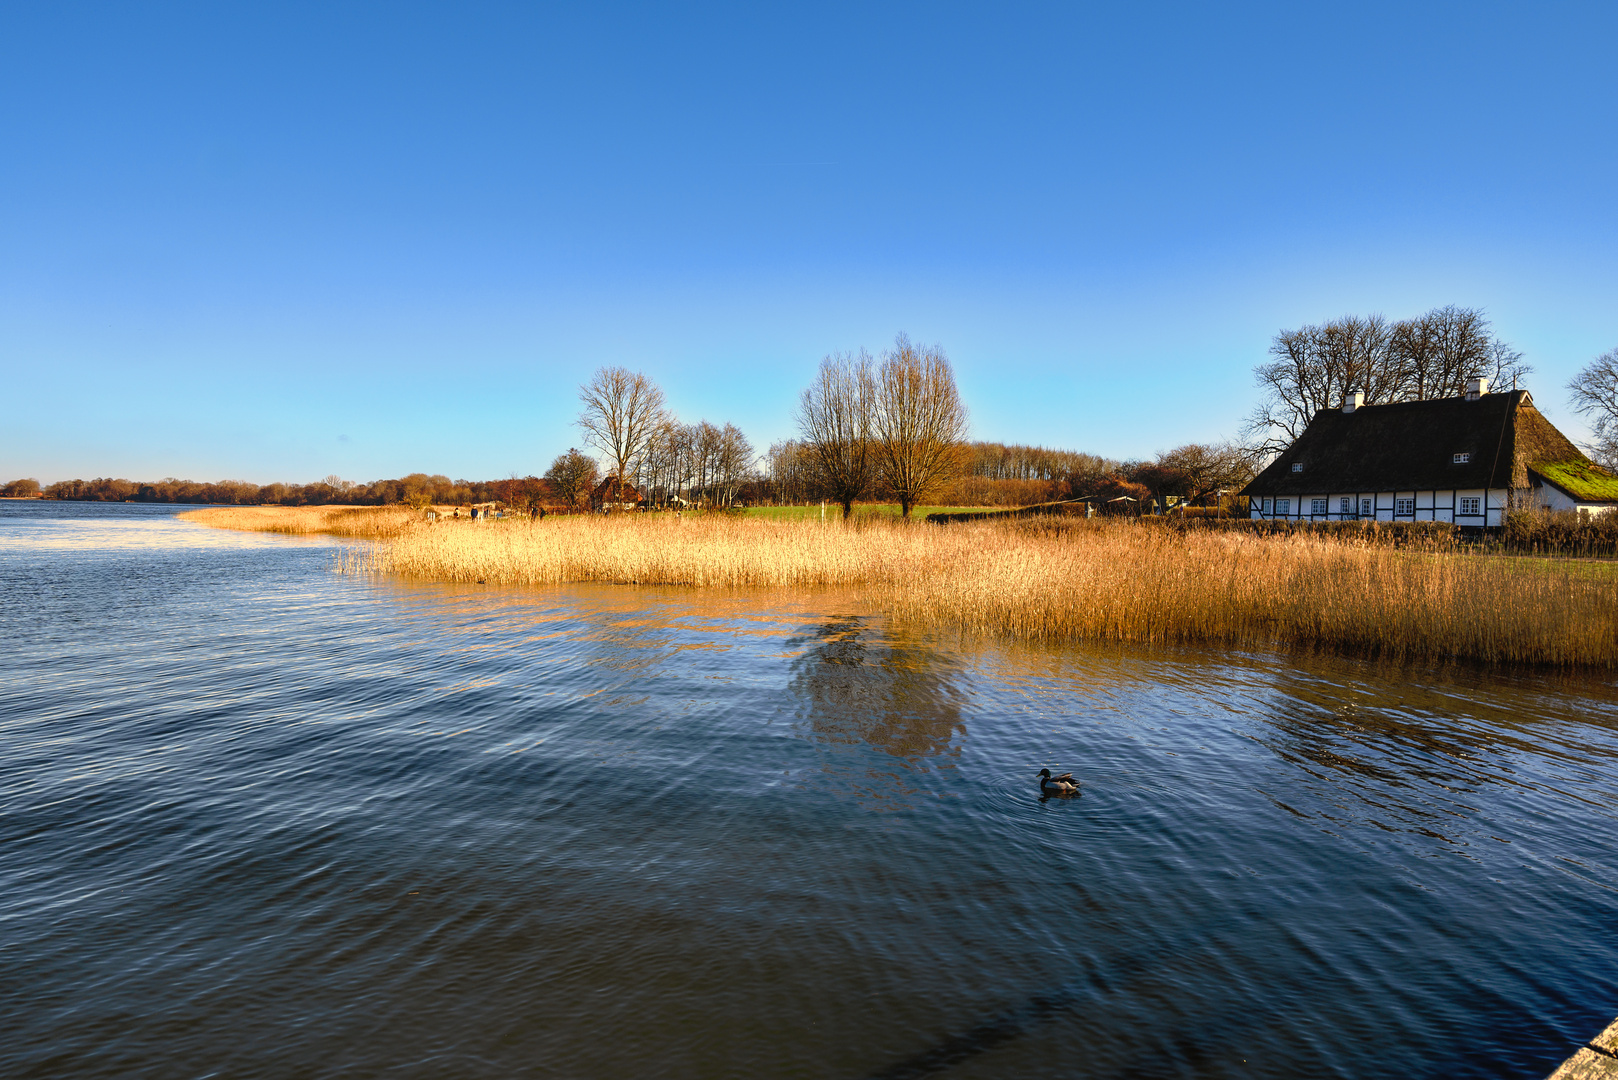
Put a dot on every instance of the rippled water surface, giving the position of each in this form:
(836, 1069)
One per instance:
(258, 819)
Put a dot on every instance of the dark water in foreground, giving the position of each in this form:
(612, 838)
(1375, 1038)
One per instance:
(257, 819)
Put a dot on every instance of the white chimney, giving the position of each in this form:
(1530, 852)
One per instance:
(1353, 401)
(1476, 387)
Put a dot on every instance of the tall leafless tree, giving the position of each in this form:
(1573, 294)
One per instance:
(622, 410)
(1595, 394)
(919, 422)
(834, 417)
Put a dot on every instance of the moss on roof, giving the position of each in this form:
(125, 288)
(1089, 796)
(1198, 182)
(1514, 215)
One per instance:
(1580, 478)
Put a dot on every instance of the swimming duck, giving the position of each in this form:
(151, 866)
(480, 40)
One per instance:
(1057, 785)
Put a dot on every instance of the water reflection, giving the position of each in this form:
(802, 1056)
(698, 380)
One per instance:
(863, 686)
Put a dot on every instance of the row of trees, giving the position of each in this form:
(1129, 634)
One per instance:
(416, 489)
(1000, 461)
(708, 464)
(624, 417)
(1195, 472)
(1430, 356)
(898, 426)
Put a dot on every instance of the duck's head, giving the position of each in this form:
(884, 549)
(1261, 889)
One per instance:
(1045, 773)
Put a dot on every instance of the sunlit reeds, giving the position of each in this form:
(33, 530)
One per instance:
(368, 522)
(1068, 580)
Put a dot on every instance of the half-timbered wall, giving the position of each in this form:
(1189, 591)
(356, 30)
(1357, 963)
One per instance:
(1475, 506)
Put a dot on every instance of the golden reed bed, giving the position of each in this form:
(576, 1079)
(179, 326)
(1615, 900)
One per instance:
(1080, 580)
(367, 522)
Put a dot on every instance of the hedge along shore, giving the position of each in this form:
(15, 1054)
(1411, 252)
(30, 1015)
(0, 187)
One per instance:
(1058, 580)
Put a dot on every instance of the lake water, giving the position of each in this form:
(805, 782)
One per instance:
(258, 819)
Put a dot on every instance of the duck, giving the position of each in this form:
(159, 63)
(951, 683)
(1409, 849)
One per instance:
(1057, 785)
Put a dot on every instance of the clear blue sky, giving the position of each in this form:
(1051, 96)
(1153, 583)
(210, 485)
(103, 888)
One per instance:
(277, 241)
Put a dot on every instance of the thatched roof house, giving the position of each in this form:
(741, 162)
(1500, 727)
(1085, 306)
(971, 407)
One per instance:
(1461, 459)
(612, 495)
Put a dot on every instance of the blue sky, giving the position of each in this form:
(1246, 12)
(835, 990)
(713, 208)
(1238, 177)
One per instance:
(279, 241)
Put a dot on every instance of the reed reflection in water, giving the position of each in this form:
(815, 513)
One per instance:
(259, 819)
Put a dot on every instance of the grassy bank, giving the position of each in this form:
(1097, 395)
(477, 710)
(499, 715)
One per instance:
(1067, 580)
(366, 522)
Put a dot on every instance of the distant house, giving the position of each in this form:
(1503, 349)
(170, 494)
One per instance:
(1462, 459)
(612, 495)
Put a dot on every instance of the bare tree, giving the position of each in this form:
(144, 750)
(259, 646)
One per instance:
(1315, 367)
(834, 417)
(1437, 352)
(572, 476)
(1209, 468)
(785, 462)
(622, 410)
(733, 463)
(919, 422)
(1595, 394)
(1504, 365)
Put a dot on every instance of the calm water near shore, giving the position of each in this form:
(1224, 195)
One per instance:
(258, 819)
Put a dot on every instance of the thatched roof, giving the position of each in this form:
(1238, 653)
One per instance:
(1411, 445)
(610, 490)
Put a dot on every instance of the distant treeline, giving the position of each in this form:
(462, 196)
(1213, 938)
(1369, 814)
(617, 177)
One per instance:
(417, 487)
(992, 474)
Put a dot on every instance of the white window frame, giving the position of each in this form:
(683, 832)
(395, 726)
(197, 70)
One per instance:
(1462, 459)
(1317, 507)
(1471, 506)
(1367, 508)
(1297, 466)
(1345, 505)
(1402, 507)
(1283, 507)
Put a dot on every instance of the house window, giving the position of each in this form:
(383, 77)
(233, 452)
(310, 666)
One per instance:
(1345, 505)
(1283, 506)
(1297, 466)
(1367, 508)
(1462, 459)
(1317, 506)
(1404, 507)
(1469, 506)
(1266, 506)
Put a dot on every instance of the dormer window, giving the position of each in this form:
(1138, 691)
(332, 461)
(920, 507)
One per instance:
(1297, 466)
(1462, 459)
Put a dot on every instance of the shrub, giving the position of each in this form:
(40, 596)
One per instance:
(1564, 532)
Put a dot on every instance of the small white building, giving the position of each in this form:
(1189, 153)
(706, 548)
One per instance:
(1464, 460)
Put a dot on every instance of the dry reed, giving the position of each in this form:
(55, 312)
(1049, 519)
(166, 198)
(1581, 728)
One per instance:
(367, 522)
(1095, 581)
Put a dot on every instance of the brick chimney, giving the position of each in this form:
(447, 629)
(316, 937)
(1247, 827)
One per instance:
(1353, 401)
(1476, 387)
